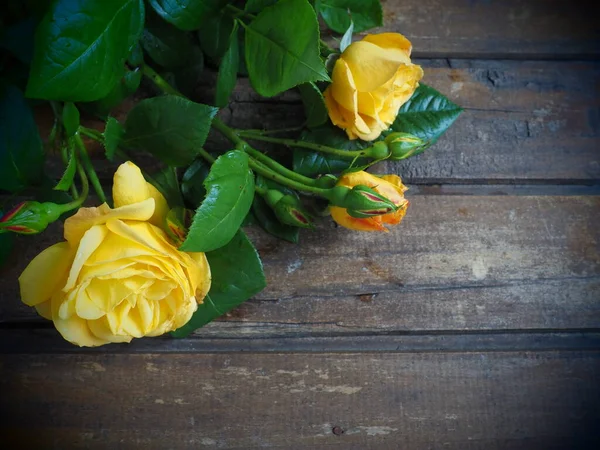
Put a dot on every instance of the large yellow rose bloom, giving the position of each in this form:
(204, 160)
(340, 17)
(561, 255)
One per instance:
(117, 276)
(390, 186)
(371, 80)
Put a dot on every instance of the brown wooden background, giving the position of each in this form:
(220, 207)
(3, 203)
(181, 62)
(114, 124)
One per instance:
(475, 324)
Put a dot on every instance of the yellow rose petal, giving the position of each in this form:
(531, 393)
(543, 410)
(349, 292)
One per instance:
(371, 66)
(101, 329)
(86, 218)
(89, 243)
(76, 331)
(41, 278)
(390, 41)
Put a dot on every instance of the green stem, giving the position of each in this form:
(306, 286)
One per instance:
(207, 156)
(271, 175)
(89, 168)
(84, 193)
(92, 134)
(275, 166)
(160, 81)
(65, 157)
(267, 132)
(348, 154)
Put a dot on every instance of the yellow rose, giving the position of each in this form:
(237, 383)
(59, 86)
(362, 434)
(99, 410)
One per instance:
(371, 80)
(117, 276)
(390, 186)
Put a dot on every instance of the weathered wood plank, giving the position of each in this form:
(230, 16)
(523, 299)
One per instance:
(507, 29)
(455, 263)
(302, 401)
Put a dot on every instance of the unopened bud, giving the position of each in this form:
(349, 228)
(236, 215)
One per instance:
(288, 209)
(363, 198)
(177, 223)
(30, 217)
(404, 145)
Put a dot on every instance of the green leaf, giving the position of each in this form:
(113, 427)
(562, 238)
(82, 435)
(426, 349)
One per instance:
(171, 128)
(314, 105)
(427, 114)
(166, 45)
(237, 275)
(215, 35)
(230, 190)
(81, 48)
(338, 14)
(70, 119)
(192, 182)
(282, 48)
(347, 37)
(113, 135)
(21, 151)
(186, 14)
(67, 179)
(311, 163)
(256, 6)
(124, 88)
(228, 69)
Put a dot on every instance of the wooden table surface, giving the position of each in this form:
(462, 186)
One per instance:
(475, 324)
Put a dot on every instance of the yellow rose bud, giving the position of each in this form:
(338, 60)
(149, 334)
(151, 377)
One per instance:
(371, 80)
(118, 275)
(389, 186)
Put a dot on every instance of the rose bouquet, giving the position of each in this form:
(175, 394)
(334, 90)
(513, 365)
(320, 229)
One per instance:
(165, 251)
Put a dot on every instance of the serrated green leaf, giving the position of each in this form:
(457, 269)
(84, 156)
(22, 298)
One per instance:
(21, 151)
(338, 14)
(311, 163)
(186, 15)
(282, 48)
(66, 180)
(427, 114)
(171, 128)
(228, 69)
(81, 48)
(230, 190)
(237, 275)
(215, 35)
(113, 135)
(166, 45)
(314, 105)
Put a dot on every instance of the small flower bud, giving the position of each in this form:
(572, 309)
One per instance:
(363, 198)
(404, 145)
(30, 217)
(177, 223)
(288, 209)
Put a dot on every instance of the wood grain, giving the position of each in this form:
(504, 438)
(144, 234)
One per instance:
(302, 401)
(506, 29)
(455, 263)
